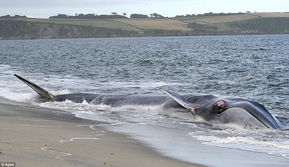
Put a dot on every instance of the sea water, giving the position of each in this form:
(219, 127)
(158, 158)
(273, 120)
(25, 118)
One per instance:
(252, 67)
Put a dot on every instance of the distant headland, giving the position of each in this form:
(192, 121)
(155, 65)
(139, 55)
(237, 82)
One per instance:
(139, 25)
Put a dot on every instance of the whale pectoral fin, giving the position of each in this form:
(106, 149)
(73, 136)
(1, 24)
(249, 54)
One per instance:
(42, 92)
(181, 100)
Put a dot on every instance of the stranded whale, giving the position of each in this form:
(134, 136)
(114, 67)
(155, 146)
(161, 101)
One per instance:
(206, 106)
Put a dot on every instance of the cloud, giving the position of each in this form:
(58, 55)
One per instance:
(60, 3)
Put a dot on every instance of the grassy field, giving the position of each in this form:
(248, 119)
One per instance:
(174, 24)
(272, 14)
(243, 23)
(125, 24)
(220, 19)
(163, 24)
(85, 22)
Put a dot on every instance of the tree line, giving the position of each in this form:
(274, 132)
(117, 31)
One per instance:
(87, 16)
(213, 14)
(113, 15)
(12, 17)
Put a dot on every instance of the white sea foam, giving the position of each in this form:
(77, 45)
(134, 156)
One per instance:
(10, 87)
(140, 84)
(59, 154)
(251, 141)
(78, 138)
(83, 110)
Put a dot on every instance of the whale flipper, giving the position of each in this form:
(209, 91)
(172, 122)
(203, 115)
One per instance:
(181, 100)
(42, 92)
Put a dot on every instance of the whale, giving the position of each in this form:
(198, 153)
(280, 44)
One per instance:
(206, 106)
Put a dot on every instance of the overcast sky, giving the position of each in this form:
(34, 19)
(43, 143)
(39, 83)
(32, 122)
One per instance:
(46, 8)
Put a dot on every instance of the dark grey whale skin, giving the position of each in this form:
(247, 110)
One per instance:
(206, 103)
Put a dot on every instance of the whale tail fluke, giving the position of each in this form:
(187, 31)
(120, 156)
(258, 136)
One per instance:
(42, 92)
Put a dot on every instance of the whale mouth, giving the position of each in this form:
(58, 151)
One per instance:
(220, 106)
(197, 108)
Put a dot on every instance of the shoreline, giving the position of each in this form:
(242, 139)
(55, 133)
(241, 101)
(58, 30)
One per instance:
(35, 136)
(148, 36)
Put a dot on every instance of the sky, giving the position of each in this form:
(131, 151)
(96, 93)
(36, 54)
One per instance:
(170, 8)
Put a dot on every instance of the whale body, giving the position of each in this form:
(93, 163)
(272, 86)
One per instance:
(206, 106)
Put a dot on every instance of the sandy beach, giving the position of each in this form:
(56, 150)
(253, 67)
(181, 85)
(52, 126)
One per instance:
(33, 136)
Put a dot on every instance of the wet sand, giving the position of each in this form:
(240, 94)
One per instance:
(33, 136)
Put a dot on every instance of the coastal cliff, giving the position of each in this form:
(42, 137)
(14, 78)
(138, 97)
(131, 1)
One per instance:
(13, 29)
(233, 24)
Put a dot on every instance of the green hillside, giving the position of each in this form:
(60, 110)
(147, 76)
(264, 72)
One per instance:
(85, 22)
(206, 24)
